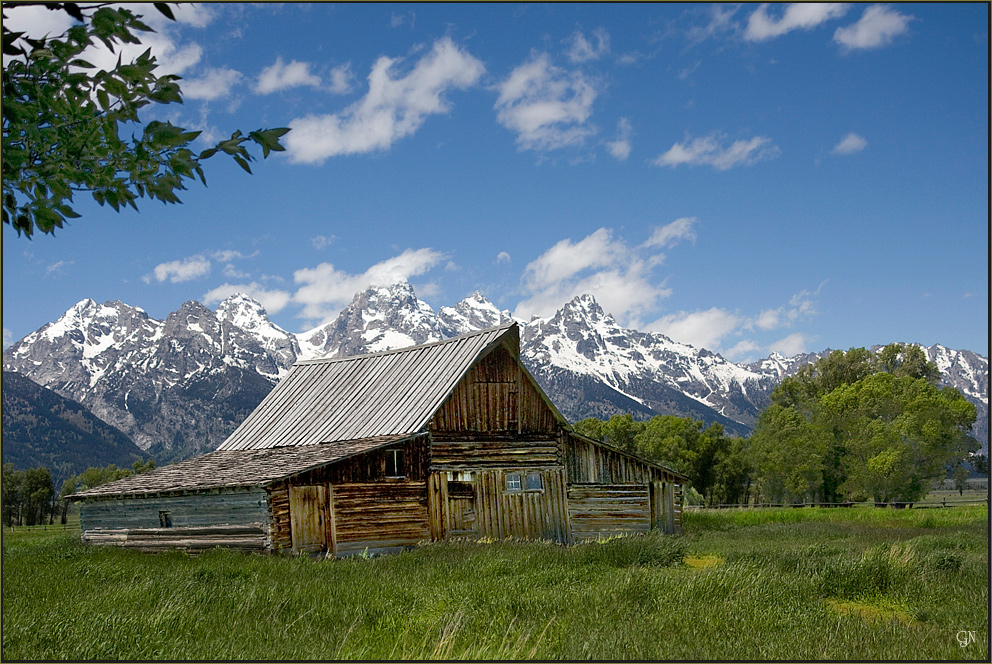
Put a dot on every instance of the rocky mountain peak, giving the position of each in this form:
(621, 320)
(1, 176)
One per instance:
(473, 313)
(377, 319)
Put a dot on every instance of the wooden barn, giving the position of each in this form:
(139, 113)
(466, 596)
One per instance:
(378, 452)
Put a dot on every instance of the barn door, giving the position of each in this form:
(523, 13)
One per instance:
(308, 517)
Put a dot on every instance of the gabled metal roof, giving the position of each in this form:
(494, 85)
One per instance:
(391, 393)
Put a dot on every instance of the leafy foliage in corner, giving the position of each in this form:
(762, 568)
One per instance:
(65, 121)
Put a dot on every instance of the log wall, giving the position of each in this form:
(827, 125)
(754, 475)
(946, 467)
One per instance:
(598, 511)
(451, 451)
(228, 517)
(380, 516)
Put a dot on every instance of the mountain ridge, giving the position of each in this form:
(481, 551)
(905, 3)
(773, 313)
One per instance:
(179, 386)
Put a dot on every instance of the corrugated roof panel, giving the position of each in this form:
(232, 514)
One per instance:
(388, 393)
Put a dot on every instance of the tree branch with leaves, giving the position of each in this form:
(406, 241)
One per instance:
(65, 122)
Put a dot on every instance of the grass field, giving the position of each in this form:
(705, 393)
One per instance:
(811, 583)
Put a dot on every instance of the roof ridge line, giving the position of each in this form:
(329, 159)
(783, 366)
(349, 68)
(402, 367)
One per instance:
(329, 360)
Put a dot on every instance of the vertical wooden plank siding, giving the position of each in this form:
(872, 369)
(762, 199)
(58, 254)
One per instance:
(437, 504)
(523, 514)
(332, 531)
(308, 517)
(494, 396)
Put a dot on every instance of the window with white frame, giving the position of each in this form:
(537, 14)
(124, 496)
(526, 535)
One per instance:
(531, 481)
(394, 464)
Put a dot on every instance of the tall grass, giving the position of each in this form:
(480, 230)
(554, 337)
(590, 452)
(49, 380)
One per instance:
(834, 585)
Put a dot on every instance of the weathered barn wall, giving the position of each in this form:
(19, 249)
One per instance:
(599, 511)
(588, 463)
(495, 396)
(229, 517)
(380, 517)
(466, 452)
(344, 519)
(484, 507)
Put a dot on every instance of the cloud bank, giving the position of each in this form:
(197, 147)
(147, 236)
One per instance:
(395, 106)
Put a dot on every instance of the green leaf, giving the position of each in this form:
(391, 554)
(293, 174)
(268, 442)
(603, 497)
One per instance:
(165, 9)
(242, 163)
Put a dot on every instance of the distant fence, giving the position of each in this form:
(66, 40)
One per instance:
(895, 505)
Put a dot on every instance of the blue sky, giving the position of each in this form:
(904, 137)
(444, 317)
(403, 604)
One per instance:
(744, 178)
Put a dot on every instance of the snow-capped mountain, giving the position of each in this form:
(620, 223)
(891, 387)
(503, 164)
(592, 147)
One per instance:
(473, 313)
(581, 341)
(180, 386)
(379, 318)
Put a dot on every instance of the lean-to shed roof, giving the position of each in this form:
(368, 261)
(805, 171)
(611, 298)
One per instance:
(389, 393)
(237, 468)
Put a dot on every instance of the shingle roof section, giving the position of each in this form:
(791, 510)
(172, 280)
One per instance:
(237, 468)
(390, 393)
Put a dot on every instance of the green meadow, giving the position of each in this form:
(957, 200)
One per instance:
(809, 583)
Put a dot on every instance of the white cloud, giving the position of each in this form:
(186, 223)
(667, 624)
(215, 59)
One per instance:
(620, 148)
(273, 300)
(8, 337)
(582, 50)
(877, 27)
(850, 144)
(214, 83)
(325, 290)
(197, 15)
(502, 257)
(742, 349)
(228, 255)
(701, 329)
(547, 107)
(341, 78)
(395, 106)
(615, 274)
(794, 344)
(396, 20)
(709, 329)
(709, 150)
(671, 234)
(769, 319)
(720, 22)
(280, 76)
(36, 21)
(800, 15)
(321, 241)
(179, 271)
(801, 305)
(58, 267)
(235, 273)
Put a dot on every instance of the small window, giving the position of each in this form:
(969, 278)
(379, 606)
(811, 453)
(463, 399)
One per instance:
(165, 519)
(535, 482)
(394, 463)
(513, 482)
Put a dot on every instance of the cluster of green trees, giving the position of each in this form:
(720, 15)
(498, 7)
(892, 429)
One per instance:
(854, 426)
(718, 465)
(29, 496)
